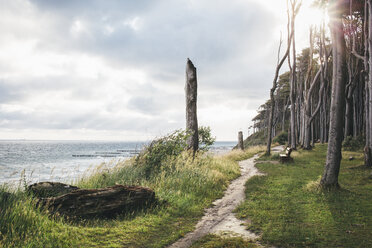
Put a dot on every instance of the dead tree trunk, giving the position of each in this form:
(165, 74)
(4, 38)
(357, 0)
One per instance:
(240, 140)
(332, 167)
(191, 110)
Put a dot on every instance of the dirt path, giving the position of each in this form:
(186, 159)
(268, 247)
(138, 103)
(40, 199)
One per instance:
(219, 219)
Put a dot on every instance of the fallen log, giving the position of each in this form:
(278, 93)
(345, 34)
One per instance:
(105, 202)
(50, 189)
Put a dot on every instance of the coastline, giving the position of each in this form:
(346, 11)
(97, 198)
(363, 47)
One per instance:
(60, 163)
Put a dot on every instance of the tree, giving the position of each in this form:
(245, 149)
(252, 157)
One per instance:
(332, 167)
(291, 19)
(368, 147)
(293, 134)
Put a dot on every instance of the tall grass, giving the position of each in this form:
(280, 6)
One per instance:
(184, 186)
(238, 155)
(22, 224)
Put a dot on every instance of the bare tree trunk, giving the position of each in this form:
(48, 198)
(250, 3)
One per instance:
(332, 167)
(293, 82)
(191, 99)
(308, 115)
(240, 140)
(284, 114)
(319, 77)
(272, 103)
(348, 115)
(353, 69)
(272, 90)
(368, 148)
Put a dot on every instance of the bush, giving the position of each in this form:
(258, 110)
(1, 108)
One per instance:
(205, 138)
(353, 144)
(171, 145)
(281, 138)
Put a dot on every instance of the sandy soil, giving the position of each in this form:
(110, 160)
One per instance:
(219, 219)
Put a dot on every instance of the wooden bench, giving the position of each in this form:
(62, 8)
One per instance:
(284, 158)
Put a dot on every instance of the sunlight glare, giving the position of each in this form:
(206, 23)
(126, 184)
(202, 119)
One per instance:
(310, 15)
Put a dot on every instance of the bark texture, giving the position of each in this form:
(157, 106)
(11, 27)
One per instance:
(105, 202)
(332, 167)
(368, 148)
(50, 189)
(191, 108)
(292, 84)
(240, 140)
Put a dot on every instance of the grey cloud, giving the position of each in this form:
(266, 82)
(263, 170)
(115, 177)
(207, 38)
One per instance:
(170, 33)
(96, 121)
(225, 43)
(151, 100)
(9, 93)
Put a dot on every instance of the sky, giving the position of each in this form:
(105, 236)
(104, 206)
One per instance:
(115, 70)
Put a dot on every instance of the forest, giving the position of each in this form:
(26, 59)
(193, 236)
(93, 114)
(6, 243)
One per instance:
(326, 96)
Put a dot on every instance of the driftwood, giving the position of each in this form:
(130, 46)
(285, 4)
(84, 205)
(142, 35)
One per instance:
(50, 189)
(104, 202)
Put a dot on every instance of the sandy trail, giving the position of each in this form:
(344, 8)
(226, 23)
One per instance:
(219, 219)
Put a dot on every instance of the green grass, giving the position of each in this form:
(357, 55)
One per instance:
(183, 186)
(238, 155)
(255, 139)
(214, 241)
(290, 210)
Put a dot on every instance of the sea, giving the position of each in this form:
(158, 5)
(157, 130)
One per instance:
(30, 161)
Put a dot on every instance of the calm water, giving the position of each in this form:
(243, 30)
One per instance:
(64, 160)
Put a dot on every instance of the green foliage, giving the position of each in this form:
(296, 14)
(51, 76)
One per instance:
(258, 138)
(353, 144)
(206, 140)
(161, 149)
(281, 138)
(290, 210)
(154, 155)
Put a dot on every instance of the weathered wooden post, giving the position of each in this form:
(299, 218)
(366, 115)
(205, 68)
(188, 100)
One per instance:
(191, 98)
(240, 140)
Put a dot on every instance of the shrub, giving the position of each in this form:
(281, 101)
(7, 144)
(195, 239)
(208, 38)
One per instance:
(171, 145)
(353, 143)
(281, 138)
(205, 138)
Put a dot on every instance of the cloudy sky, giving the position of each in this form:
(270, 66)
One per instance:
(115, 70)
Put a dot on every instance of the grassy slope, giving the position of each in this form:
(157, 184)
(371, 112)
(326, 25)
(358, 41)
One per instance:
(290, 211)
(185, 187)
